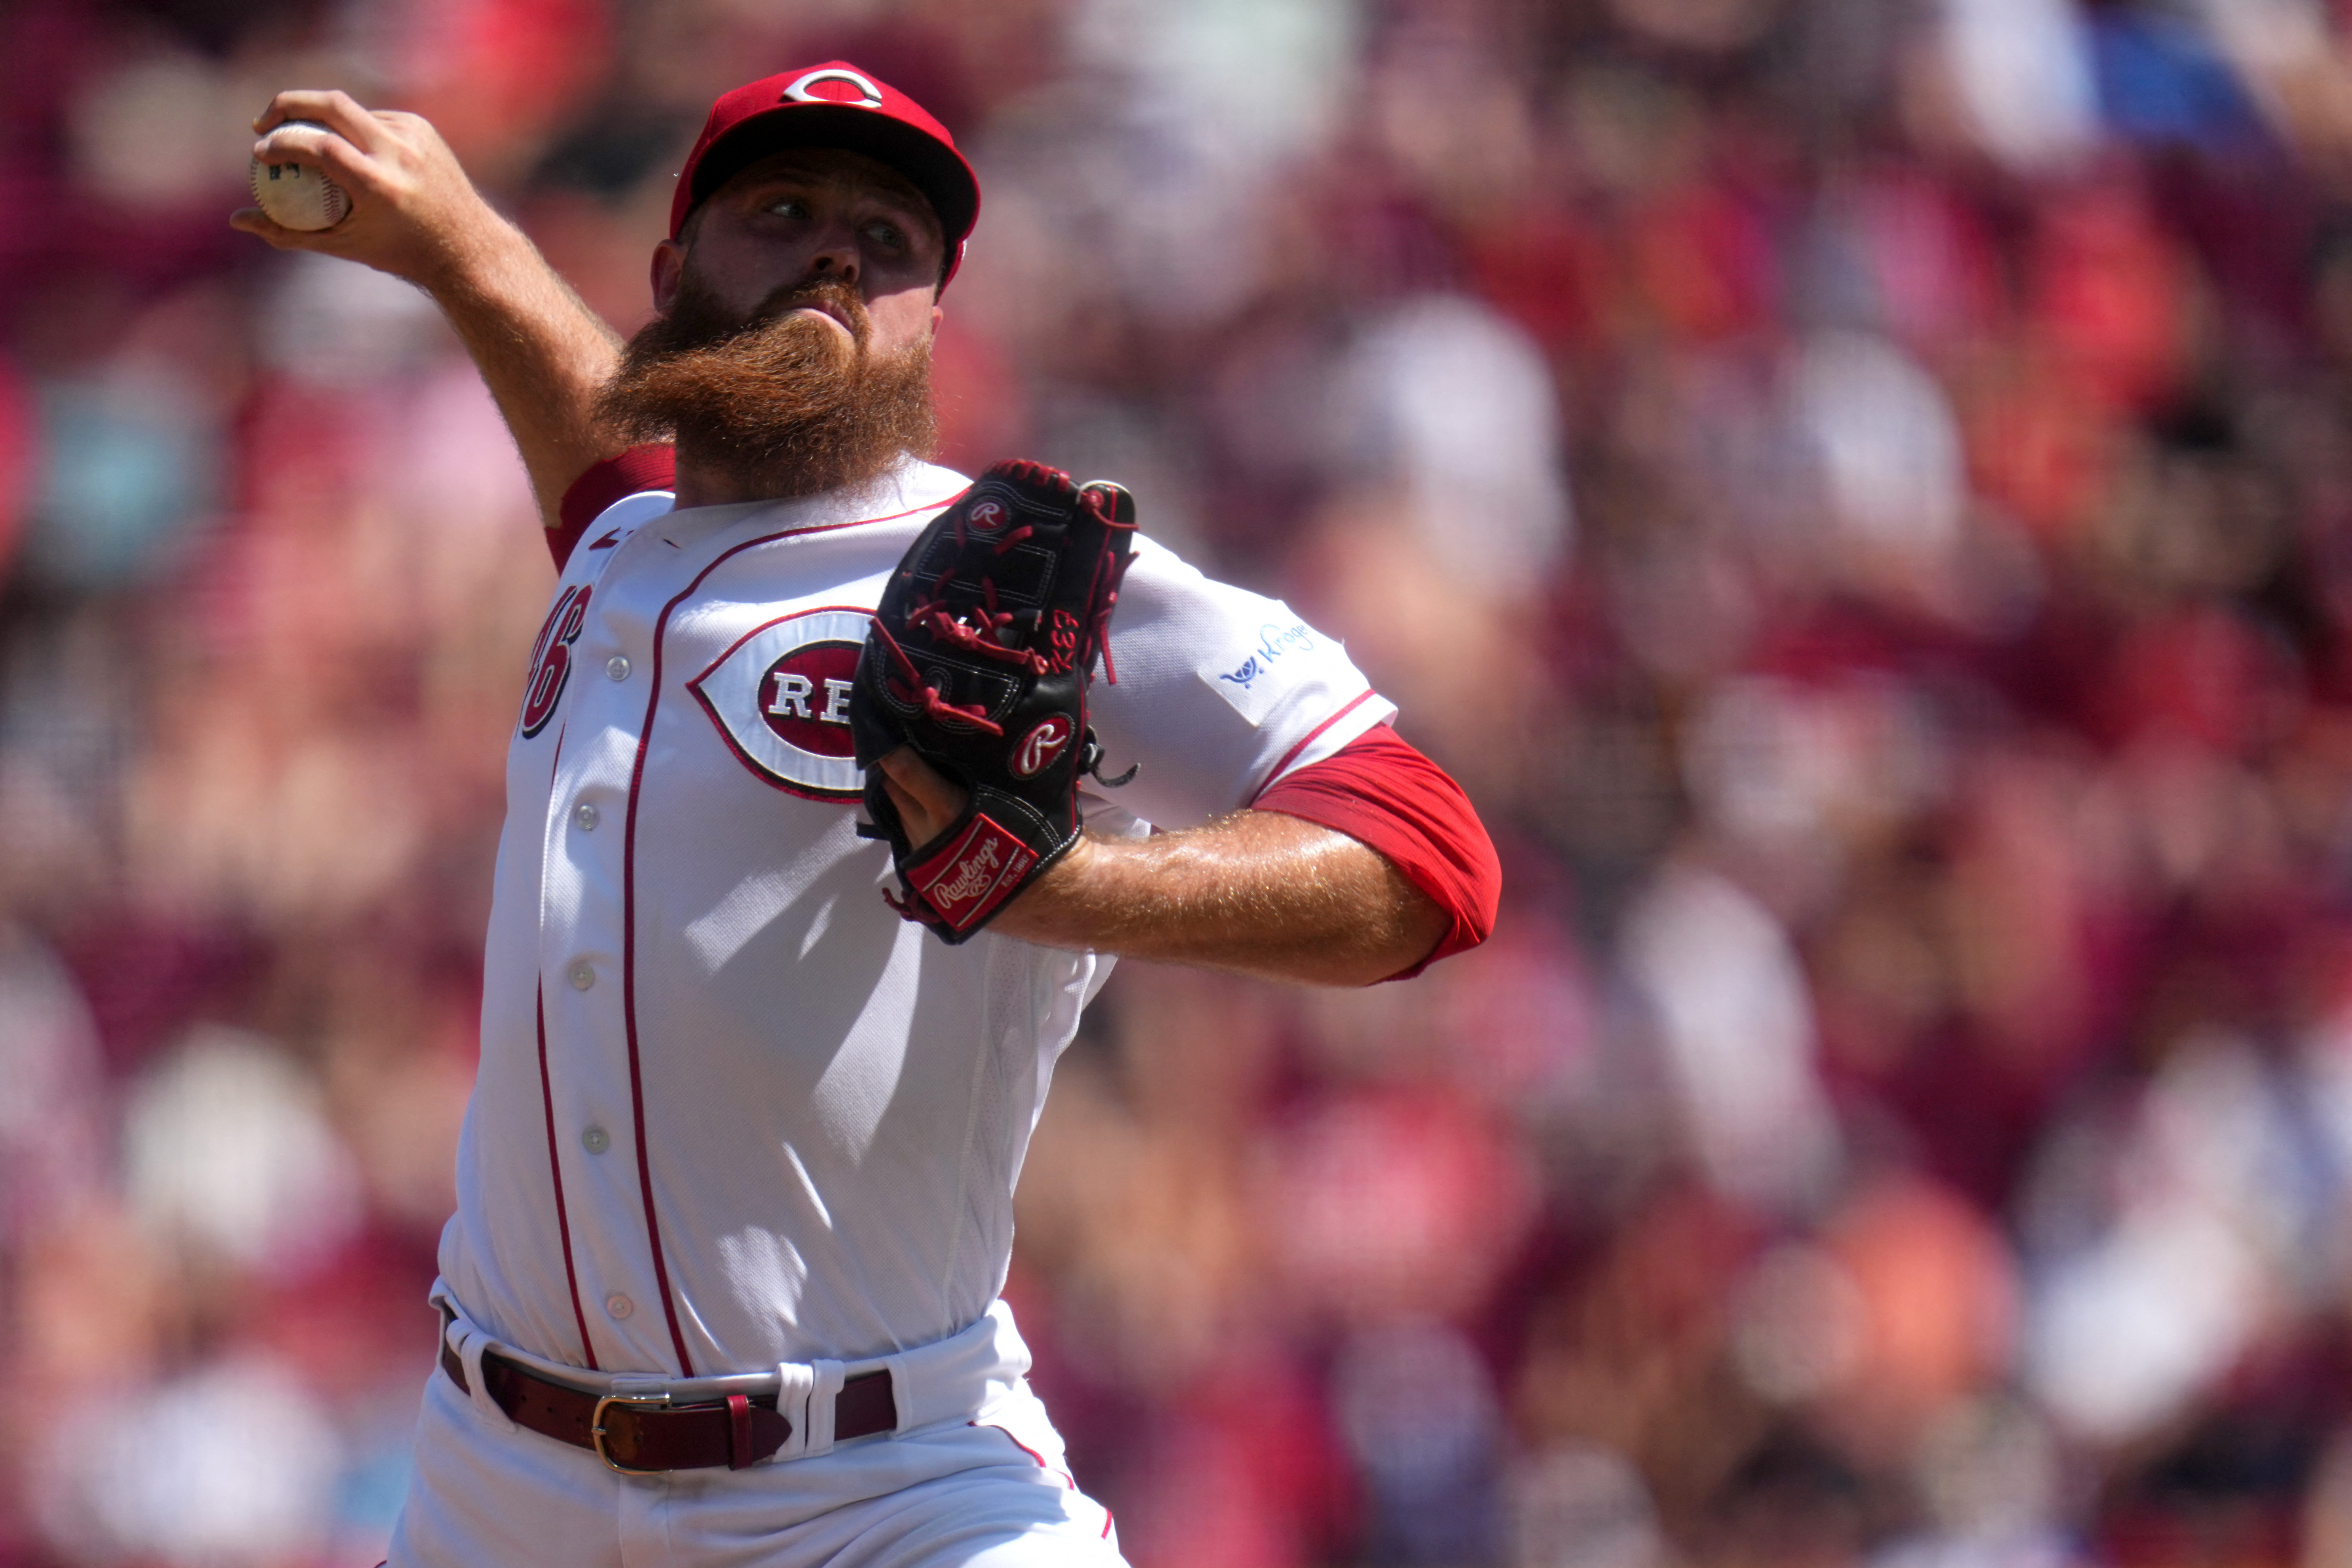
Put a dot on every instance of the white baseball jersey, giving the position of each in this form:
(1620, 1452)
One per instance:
(732, 1111)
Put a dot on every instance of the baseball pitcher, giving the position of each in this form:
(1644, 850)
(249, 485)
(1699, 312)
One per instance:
(837, 782)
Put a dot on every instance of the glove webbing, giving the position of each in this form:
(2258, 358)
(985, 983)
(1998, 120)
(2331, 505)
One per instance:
(1071, 644)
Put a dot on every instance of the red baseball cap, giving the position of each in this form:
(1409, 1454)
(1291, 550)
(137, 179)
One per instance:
(833, 105)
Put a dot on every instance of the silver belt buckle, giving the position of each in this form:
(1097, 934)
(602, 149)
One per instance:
(597, 1428)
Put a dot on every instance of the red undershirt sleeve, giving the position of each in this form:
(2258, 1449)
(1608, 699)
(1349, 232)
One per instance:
(638, 468)
(1380, 791)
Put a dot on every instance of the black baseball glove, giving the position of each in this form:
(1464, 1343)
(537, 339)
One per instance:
(979, 658)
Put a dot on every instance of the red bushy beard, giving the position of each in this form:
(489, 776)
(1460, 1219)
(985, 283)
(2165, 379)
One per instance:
(776, 405)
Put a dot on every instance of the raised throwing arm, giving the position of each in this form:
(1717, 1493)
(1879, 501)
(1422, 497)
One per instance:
(414, 214)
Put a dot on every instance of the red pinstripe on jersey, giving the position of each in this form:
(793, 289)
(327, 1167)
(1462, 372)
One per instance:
(555, 1170)
(629, 899)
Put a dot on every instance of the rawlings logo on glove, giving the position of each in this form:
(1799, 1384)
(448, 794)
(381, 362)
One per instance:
(979, 658)
(1040, 746)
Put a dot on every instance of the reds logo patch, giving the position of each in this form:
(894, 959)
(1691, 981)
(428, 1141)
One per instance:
(781, 699)
(1040, 746)
(550, 659)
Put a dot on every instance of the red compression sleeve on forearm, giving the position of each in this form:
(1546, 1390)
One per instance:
(1386, 796)
(638, 468)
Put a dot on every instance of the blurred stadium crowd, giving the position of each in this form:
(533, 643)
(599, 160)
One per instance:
(1859, 491)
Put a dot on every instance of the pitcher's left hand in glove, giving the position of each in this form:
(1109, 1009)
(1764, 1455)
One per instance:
(979, 658)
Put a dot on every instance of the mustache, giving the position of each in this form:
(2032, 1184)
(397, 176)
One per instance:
(838, 297)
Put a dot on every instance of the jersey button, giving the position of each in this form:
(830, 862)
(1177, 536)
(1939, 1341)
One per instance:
(585, 815)
(617, 667)
(583, 975)
(619, 1306)
(595, 1140)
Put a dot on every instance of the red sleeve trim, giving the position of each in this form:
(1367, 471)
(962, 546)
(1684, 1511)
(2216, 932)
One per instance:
(1382, 792)
(1311, 737)
(638, 468)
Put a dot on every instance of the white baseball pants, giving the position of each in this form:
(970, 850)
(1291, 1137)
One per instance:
(948, 1496)
(992, 1492)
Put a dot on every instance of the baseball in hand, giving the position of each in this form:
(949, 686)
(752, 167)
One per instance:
(295, 196)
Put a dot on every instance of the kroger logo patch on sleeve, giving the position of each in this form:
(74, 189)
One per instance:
(1256, 674)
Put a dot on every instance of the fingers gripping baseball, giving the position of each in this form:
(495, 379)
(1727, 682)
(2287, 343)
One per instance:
(412, 210)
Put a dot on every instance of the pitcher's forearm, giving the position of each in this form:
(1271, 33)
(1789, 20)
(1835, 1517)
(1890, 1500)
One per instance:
(540, 350)
(1256, 892)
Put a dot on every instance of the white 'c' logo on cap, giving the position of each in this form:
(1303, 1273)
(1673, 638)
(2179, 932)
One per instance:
(871, 95)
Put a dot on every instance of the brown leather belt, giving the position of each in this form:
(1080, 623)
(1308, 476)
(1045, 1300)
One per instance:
(638, 1434)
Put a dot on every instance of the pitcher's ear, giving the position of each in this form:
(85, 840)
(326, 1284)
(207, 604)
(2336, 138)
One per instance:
(670, 265)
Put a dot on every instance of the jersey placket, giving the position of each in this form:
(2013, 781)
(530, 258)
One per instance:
(584, 952)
